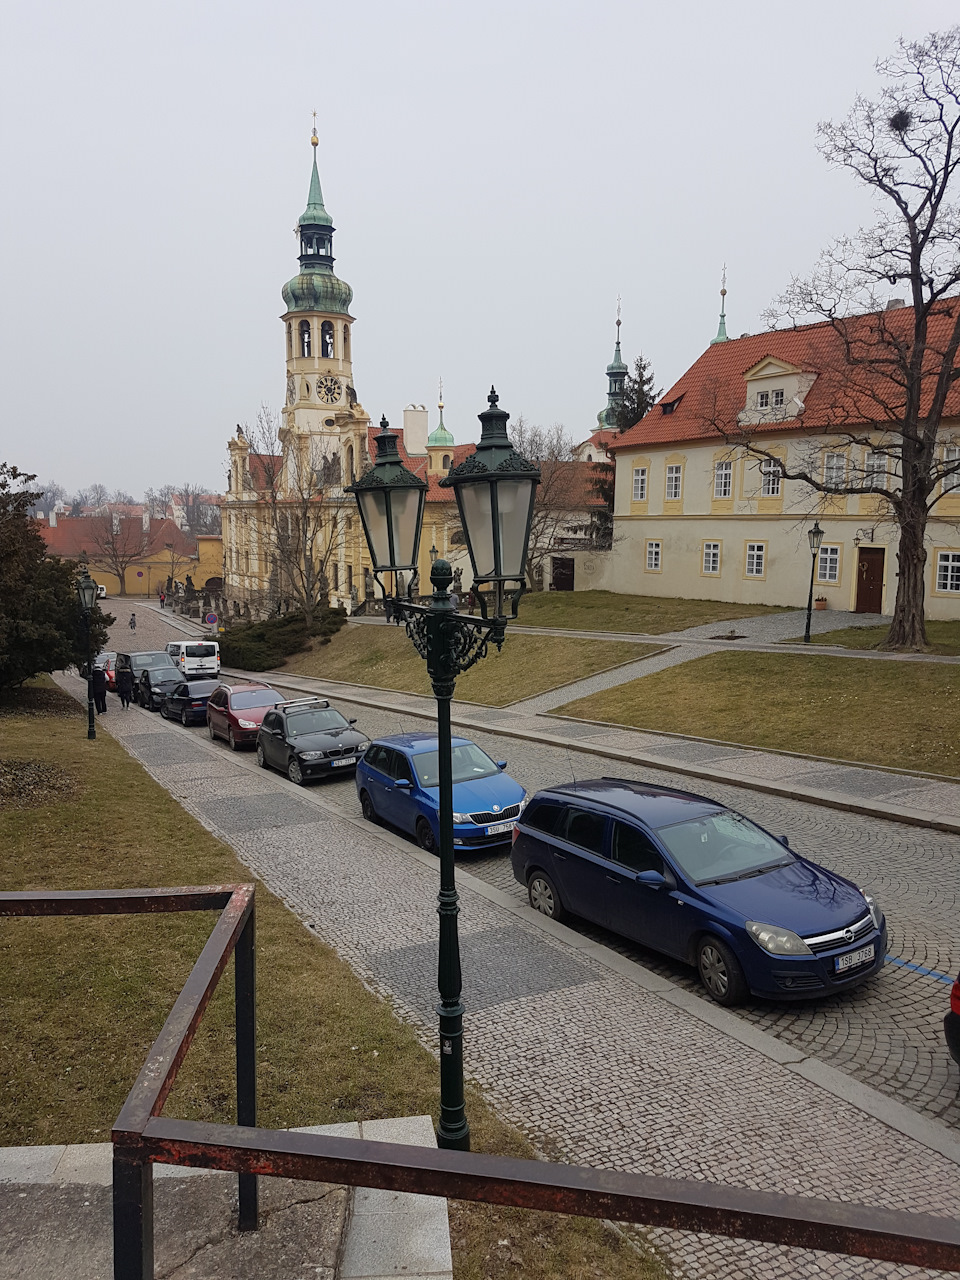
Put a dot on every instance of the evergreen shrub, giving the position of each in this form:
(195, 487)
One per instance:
(260, 646)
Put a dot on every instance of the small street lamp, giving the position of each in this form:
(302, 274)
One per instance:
(87, 595)
(433, 553)
(495, 489)
(815, 537)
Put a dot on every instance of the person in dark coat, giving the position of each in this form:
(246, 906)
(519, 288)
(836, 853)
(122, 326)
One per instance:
(99, 682)
(124, 682)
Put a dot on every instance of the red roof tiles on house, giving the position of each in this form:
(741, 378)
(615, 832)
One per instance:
(73, 535)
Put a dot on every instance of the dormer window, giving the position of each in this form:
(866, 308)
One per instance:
(778, 398)
(668, 406)
(763, 399)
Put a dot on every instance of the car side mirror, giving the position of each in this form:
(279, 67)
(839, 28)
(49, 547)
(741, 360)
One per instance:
(784, 840)
(501, 764)
(403, 783)
(353, 721)
(652, 879)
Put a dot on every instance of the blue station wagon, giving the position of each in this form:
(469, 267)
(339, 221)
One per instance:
(688, 877)
(398, 783)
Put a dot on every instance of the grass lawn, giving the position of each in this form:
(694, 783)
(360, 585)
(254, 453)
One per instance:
(83, 998)
(527, 665)
(610, 611)
(900, 714)
(944, 637)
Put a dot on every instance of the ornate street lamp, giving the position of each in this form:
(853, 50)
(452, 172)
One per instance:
(495, 489)
(815, 537)
(87, 595)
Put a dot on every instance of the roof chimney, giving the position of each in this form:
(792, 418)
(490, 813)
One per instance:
(415, 429)
(53, 518)
(895, 304)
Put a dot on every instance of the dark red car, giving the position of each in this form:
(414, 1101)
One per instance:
(235, 712)
(951, 1023)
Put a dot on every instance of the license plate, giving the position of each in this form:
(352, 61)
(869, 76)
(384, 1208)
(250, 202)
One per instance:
(338, 764)
(499, 828)
(854, 958)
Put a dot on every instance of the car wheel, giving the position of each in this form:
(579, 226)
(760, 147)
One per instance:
(231, 739)
(294, 772)
(210, 731)
(261, 758)
(544, 898)
(425, 837)
(184, 718)
(720, 972)
(163, 712)
(366, 805)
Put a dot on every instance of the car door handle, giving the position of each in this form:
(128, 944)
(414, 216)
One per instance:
(560, 857)
(616, 879)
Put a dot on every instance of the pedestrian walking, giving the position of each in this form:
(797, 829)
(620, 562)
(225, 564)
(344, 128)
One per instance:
(124, 682)
(133, 622)
(99, 682)
(162, 599)
(455, 601)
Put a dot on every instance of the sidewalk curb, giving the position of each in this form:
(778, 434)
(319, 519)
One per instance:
(829, 799)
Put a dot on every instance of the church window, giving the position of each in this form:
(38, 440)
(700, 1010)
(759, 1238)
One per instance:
(336, 576)
(326, 340)
(305, 337)
(350, 462)
(346, 342)
(349, 577)
(306, 391)
(446, 462)
(289, 340)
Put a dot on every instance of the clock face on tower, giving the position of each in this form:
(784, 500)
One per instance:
(329, 389)
(291, 390)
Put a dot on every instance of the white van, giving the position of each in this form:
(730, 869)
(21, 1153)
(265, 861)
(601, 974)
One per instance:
(196, 657)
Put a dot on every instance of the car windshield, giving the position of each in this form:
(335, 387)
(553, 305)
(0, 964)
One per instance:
(200, 651)
(254, 698)
(321, 721)
(469, 762)
(200, 688)
(721, 847)
(153, 660)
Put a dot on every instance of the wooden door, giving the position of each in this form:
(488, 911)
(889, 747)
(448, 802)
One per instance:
(870, 580)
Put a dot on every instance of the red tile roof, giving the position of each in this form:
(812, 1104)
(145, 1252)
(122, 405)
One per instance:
(75, 534)
(713, 389)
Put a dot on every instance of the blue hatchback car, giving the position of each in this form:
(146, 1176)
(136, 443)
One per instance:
(686, 876)
(398, 783)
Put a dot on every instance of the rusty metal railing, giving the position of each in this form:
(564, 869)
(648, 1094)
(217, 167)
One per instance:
(142, 1137)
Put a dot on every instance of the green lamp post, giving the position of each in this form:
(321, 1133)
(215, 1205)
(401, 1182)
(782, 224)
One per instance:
(87, 595)
(815, 538)
(495, 490)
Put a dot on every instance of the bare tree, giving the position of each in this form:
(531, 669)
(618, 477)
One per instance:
(47, 498)
(563, 495)
(199, 515)
(99, 495)
(894, 368)
(158, 500)
(121, 498)
(117, 543)
(299, 481)
(79, 500)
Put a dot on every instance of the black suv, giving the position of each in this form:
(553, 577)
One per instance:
(307, 738)
(148, 660)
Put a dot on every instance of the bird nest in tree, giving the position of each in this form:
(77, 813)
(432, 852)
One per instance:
(27, 784)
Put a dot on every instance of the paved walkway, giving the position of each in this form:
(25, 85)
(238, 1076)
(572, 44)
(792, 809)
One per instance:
(581, 1047)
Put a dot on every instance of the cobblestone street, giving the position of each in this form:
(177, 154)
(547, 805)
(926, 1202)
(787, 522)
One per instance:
(615, 1074)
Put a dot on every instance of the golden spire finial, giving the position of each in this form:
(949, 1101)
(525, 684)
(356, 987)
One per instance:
(314, 140)
(723, 282)
(440, 400)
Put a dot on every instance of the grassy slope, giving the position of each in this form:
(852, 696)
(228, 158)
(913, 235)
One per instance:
(610, 611)
(83, 999)
(385, 657)
(901, 714)
(944, 637)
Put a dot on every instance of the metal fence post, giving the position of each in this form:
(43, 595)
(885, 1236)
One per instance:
(132, 1216)
(245, 969)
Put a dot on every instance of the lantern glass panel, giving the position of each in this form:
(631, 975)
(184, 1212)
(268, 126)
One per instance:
(373, 505)
(405, 512)
(513, 503)
(477, 515)
(87, 590)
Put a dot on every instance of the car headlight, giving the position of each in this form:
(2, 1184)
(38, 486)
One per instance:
(362, 746)
(248, 724)
(778, 942)
(462, 817)
(310, 755)
(523, 804)
(876, 915)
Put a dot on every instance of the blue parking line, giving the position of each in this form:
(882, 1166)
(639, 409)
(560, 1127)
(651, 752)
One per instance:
(918, 968)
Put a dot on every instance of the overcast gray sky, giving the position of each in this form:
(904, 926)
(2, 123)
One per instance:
(497, 172)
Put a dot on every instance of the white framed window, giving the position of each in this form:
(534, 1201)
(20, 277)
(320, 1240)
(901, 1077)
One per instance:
(711, 557)
(763, 399)
(771, 470)
(948, 571)
(951, 454)
(834, 470)
(639, 484)
(674, 481)
(828, 565)
(653, 557)
(875, 469)
(778, 398)
(723, 480)
(756, 559)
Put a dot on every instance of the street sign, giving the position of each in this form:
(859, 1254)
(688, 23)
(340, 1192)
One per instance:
(139, 573)
(211, 618)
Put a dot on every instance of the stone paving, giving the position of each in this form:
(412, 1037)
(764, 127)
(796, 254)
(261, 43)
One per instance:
(576, 1053)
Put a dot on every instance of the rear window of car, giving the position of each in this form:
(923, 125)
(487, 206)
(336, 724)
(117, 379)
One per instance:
(153, 660)
(543, 815)
(254, 698)
(200, 651)
(201, 688)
